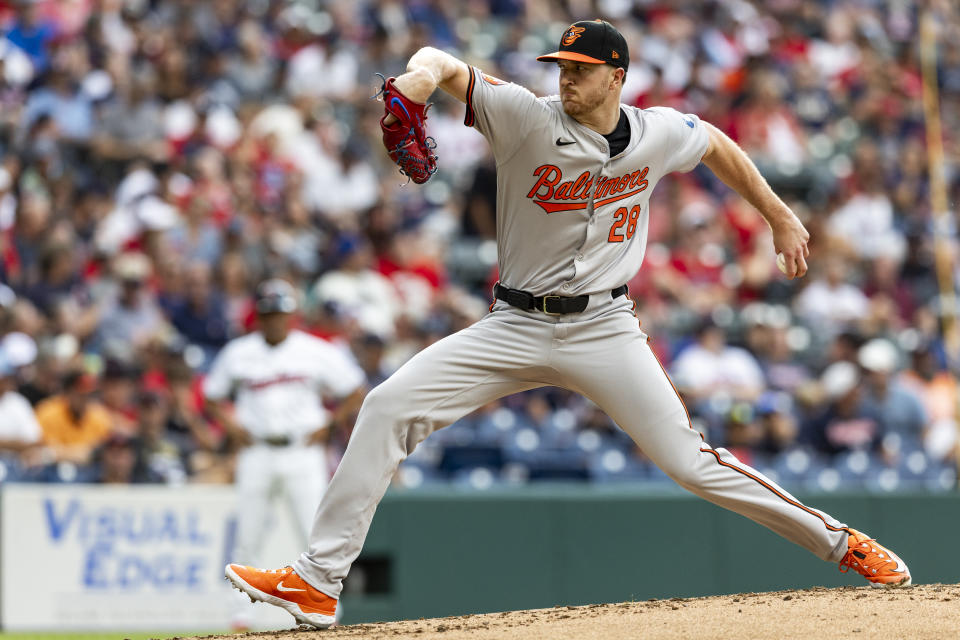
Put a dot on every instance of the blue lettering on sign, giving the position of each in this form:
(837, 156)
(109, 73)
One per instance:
(229, 539)
(59, 523)
(135, 548)
(129, 570)
(195, 535)
(134, 525)
(194, 568)
(136, 532)
(106, 569)
(95, 567)
(107, 524)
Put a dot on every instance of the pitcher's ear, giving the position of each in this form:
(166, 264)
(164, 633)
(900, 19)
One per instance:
(620, 74)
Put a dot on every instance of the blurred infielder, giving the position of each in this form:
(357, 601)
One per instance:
(575, 173)
(279, 379)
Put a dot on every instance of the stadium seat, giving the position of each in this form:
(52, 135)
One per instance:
(476, 478)
(455, 459)
(411, 475)
(613, 465)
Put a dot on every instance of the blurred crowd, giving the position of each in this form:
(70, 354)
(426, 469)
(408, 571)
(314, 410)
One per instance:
(158, 158)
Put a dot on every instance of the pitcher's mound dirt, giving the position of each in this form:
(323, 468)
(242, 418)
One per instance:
(926, 611)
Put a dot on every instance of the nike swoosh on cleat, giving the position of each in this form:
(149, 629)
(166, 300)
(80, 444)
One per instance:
(563, 143)
(901, 568)
(280, 587)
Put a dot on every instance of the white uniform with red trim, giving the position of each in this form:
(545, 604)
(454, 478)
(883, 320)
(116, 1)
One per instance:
(571, 220)
(279, 393)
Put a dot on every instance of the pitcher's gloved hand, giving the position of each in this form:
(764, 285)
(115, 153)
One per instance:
(406, 138)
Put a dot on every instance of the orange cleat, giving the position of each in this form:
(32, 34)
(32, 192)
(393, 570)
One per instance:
(285, 589)
(880, 566)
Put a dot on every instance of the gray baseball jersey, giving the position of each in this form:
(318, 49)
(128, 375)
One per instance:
(571, 220)
(556, 182)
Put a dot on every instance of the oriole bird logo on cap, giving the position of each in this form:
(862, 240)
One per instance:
(571, 35)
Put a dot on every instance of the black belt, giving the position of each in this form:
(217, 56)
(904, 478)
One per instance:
(551, 305)
(277, 441)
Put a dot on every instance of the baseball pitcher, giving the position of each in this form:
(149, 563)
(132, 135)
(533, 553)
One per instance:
(575, 173)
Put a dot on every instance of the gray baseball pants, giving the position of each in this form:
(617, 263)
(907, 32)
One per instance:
(600, 353)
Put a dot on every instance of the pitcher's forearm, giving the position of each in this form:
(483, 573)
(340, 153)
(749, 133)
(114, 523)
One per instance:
(429, 69)
(417, 83)
(732, 165)
(426, 70)
(729, 162)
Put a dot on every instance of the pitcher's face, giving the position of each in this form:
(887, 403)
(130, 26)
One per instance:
(585, 86)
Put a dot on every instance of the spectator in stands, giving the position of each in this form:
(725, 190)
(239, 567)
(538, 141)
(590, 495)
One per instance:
(710, 366)
(132, 317)
(769, 129)
(31, 231)
(369, 350)
(742, 433)
(165, 455)
(844, 347)
(118, 390)
(62, 294)
(69, 111)
(252, 70)
(196, 237)
(119, 461)
(130, 123)
(865, 222)
(847, 423)
(767, 338)
(359, 291)
(831, 303)
(32, 34)
(73, 422)
(19, 429)
(884, 281)
(42, 379)
(937, 389)
(900, 410)
(775, 415)
(233, 280)
(186, 423)
(200, 316)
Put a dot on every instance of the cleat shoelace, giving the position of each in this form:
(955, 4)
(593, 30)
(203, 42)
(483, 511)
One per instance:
(866, 559)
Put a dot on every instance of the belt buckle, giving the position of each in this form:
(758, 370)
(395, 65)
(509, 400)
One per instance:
(544, 306)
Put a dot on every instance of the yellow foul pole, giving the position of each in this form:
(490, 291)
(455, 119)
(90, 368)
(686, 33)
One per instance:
(938, 199)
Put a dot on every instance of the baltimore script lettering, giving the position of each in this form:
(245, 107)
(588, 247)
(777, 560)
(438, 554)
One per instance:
(549, 188)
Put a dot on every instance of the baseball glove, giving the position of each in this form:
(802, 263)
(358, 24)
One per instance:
(406, 139)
